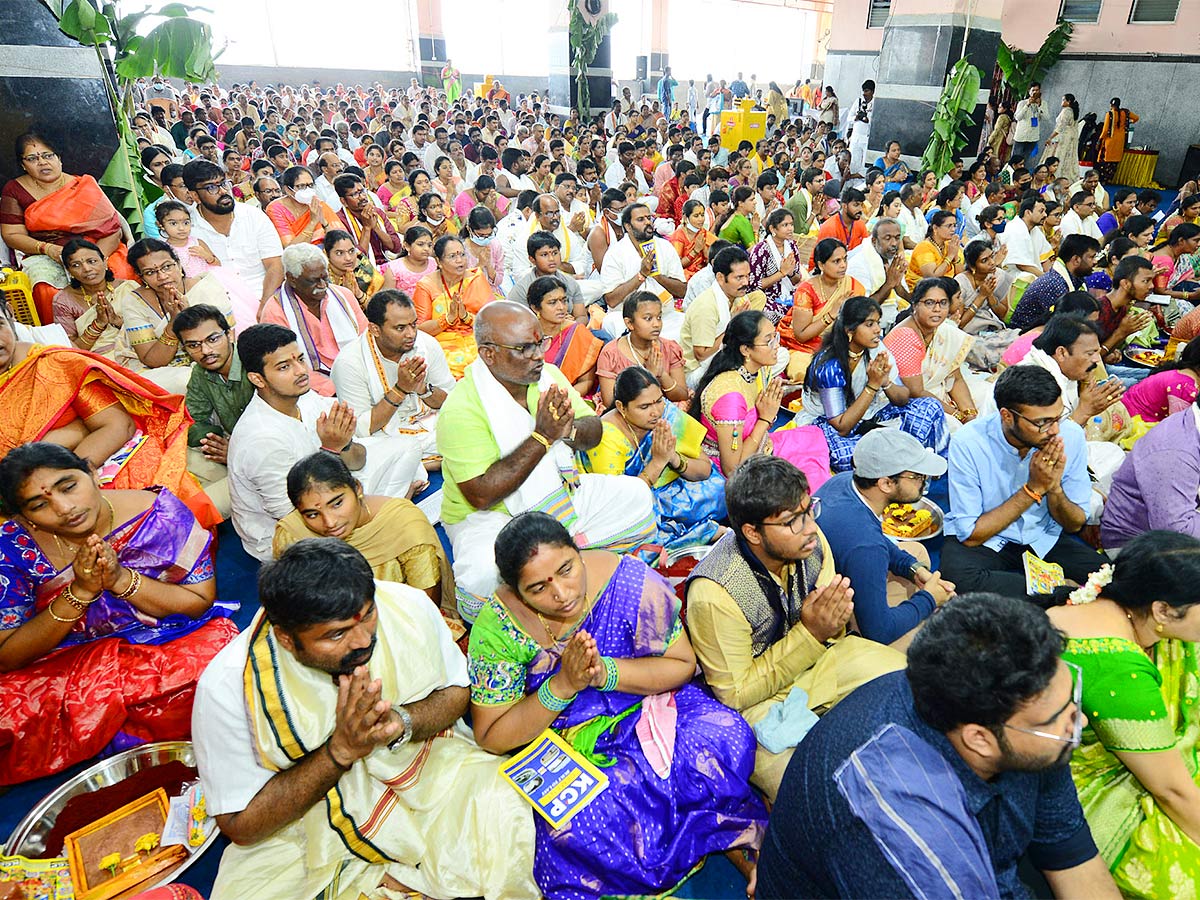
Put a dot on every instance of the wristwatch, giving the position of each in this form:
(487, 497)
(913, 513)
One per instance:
(912, 572)
(406, 735)
(428, 392)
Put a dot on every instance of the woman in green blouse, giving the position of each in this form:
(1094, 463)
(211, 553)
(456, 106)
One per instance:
(741, 227)
(1130, 631)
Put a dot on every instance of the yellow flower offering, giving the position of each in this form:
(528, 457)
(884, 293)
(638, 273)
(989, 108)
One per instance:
(111, 862)
(146, 842)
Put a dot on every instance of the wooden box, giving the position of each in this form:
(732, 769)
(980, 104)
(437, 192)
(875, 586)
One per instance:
(118, 832)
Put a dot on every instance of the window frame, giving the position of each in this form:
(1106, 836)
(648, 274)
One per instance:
(873, 8)
(1062, 7)
(1133, 7)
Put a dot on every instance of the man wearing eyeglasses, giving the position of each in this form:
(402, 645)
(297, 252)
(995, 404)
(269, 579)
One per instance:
(938, 781)
(1018, 482)
(508, 434)
(767, 615)
(217, 395)
(239, 235)
(894, 590)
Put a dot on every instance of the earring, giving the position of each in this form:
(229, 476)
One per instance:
(1159, 628)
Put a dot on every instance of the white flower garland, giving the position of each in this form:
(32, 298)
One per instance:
(1096, 582)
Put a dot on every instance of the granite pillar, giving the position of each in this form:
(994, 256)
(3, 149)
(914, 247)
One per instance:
(431, 42)
(52, 84)
(562, 89)
(921, 43)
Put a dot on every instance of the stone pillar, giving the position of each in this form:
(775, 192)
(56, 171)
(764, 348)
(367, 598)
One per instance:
(431, 42)
(921, 43)
(562, 90)
(48, 82)
(658, 57)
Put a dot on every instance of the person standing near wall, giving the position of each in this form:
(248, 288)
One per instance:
(860, 127)
(1029, 115)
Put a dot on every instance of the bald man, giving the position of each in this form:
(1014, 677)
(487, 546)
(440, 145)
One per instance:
(508, 434)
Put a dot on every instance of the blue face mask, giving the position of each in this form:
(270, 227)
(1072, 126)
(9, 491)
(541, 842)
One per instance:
(482, 241)
(1000, 226)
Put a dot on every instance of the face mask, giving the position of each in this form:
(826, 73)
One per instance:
(436, 222)
(690, 227)
(305, 196)
(999, 227)
(589, 184)
(482, 241)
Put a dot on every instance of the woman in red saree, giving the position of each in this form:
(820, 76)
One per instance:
(572, 348)
(108, 614)
(132, 432)
(44, 208)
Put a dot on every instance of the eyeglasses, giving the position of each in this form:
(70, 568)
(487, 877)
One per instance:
(165, 269)
(529, 351)
(211, 341)
(215, 188)
(45, 156)
(934, 304)
(1040, 424)
(1076, 701)
(913, 476)
(797, 522)
(772, 341)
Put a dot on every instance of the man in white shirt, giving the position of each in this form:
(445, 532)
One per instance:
(911, 217)
(286, 421)
(511, 180)
(1030, 114)
(439, 147)
(864, 112)
(394, 376)
(642, 261)
(1023, 255)
(513, 230)
(446, 823)
(576, 259)
(330, 167)
(242, 237)
(879, 265)
(626, 169)
(1081, 218)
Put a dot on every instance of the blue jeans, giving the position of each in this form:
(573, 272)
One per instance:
(1129, 375)
(1027, 149)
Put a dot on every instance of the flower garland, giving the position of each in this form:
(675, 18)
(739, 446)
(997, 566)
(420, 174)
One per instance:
(1097, 581)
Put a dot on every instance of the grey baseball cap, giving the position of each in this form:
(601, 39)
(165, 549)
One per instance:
(890, 451)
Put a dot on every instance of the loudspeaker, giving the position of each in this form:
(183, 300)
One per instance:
(642, 68)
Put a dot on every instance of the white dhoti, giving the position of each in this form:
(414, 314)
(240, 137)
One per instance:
(393, 464)
(615, 512)
(213, 477)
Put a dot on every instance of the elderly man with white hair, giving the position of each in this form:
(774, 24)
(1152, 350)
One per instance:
(324, 317)
(508, 435)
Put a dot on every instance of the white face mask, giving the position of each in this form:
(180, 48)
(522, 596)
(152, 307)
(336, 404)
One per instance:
(690, 227)
(305, 196)
(436, 222)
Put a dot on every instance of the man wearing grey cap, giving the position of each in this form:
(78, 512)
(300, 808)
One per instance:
(890, 466)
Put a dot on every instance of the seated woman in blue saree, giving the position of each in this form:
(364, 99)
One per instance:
(646, 437)
(108, 614)
(590, 644)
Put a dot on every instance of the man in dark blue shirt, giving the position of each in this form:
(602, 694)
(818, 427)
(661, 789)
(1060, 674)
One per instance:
(937, 781)
(1076, 259)
(890, 466)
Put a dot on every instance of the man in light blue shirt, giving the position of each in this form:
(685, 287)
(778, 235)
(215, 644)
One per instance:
(1018, 481)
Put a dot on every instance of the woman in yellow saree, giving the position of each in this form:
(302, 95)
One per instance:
(392, 533)
(1131, 633)
(132, 432)
(446, 302)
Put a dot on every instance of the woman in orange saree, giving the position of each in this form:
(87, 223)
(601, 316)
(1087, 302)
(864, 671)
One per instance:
(108, 614)
(44, 208)
(446, 301)
(299, 215)
(572, 348)
(132, 431)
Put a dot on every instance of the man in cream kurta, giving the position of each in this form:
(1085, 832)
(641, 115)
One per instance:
(367, 375)
(341, 800)
(811, 651)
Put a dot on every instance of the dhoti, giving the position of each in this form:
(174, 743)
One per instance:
(615, 512)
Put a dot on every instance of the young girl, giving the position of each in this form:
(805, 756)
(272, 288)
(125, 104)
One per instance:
(175, 225)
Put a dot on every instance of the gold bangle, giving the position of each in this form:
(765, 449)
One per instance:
(545, 442)
(135, 583)
(674, 384)
(58, 618)
(69, 596)
(168, 341)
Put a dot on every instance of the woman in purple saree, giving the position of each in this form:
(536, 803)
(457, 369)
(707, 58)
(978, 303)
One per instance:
(108, 614)
(591, 645)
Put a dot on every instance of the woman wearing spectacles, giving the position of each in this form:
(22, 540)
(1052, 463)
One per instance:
(447, 299)
(148, 342)
(931, 350)
(1131, 630)
(44, 208)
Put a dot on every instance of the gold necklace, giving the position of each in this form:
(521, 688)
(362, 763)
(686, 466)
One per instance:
(557, 639)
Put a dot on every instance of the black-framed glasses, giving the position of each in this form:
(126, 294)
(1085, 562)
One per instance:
(165, 269)
(1040, 424)
(44, 156)
(934, 304)
(212, 340)
(215, 188)
(529, 351)
(797, 522)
